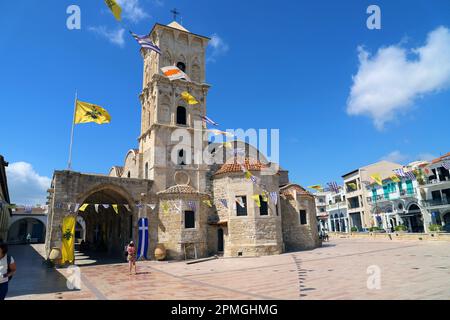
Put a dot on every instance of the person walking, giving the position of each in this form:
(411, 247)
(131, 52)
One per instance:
(131, 249)
(7, 270)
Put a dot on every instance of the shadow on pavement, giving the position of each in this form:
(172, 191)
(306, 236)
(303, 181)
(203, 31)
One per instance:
(33, 276)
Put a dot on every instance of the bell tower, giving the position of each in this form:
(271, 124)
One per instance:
(164, 111)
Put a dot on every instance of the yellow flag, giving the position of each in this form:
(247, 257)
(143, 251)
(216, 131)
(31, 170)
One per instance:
(115, 9)
(395, 178)
(116, 208)
(83, 207)
(257, 200)
(68, 240)
(88, 112)
(377, 178)
(248, 175)
(227, 145)
(188, 98)
(317, 187)
(352, 185)
(165, 207)
(264, 197)
(208, 203)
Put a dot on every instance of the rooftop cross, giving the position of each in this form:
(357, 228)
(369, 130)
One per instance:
(175, 12)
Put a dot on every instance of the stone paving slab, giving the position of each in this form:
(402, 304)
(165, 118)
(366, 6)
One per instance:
(338, 270)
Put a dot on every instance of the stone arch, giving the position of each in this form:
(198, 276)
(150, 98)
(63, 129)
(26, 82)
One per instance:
(107, 231)
(166, 59)
(19, 229)
(181, 63)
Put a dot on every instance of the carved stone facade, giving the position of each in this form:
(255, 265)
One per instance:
(182, 219)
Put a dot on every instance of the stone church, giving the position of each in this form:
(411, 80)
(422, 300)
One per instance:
(191, 208)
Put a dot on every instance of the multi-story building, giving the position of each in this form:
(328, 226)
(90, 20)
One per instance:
(394, 203)
(321, 209)
(5, 212)
(434, 193)
(338, 220)
(358, 208)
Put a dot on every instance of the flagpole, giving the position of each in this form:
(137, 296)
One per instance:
(69, 164)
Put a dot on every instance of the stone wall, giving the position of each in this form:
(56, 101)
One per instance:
(74, 187)
(172, 233)
(250, 235)
(295, 235)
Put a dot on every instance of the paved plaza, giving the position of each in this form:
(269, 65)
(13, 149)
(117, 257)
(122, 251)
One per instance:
(338, 270)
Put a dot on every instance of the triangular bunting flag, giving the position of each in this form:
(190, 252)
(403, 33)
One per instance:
(83, 207)
(257, 200)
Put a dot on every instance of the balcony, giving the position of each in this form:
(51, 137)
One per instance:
(336, 206)
(436, 202)
(409, 193)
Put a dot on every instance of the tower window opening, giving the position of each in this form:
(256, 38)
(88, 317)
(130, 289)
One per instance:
(181, 66)
(181, 115)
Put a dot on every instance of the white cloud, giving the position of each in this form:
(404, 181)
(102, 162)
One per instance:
(114, 36)
(396, 156)
(158, 3)
(401, 158)
(426, 157)
(26, 186)
(132, 10)
(219, 47)
(389, 82)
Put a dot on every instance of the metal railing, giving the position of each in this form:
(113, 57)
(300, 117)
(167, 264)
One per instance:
(435, 202)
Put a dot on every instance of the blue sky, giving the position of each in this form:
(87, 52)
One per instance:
(282, 64)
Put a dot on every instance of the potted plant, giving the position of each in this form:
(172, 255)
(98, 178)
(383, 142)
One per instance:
(401, 228)
(435, 228)
(354, 229)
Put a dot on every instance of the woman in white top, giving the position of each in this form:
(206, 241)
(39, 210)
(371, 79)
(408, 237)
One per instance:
(7, 270)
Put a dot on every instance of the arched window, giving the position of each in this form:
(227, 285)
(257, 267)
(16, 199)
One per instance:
(181, 66)
(129, 174)
(181, 115)
(146, 170)
(181, 157)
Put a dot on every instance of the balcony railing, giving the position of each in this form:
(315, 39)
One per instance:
(436, 202)
(393, 196)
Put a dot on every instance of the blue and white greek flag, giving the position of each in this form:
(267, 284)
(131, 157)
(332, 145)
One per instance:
(146, 43)
(274, 197)
(143, 238)
(446, 165)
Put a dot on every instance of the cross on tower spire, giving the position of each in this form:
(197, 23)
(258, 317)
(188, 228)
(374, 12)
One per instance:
(175, 12)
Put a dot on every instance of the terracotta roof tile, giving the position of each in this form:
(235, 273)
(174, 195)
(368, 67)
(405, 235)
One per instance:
(286, 190)
(234, 166)
(441, 158)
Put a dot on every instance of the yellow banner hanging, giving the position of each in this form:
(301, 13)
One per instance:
(116, 208)
(316, 187)
(165, 207)
(208, 203)
(68, 240)
(115, 9)
(83, 207)
(377, 178)
(257, 200)
(395, 178)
